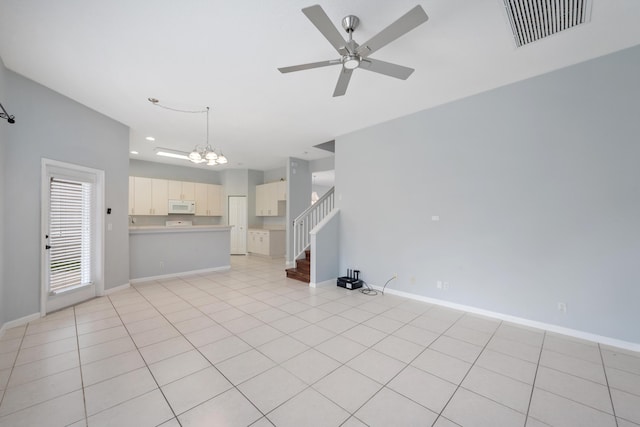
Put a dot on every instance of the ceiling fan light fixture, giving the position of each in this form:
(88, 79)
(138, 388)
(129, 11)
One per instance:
(351, 62)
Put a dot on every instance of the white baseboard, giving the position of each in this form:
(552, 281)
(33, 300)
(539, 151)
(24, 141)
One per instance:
(329, 282)
(520, 321)
(116, 289)
(18, 322)
(184, 273)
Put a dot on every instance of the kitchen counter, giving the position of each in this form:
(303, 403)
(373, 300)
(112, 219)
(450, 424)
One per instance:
(159, 251)
(182, 229)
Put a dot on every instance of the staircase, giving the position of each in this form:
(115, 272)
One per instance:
(302, 271)
(302, 226)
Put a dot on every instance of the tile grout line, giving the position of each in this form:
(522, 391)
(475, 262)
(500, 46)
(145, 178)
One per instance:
(84, 397)
(606, 378)
(13, 365)
(535, 376)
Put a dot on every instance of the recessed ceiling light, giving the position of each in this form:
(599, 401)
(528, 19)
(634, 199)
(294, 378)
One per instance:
(134, 152)
(150, 138)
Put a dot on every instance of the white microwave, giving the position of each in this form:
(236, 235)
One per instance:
(182, 207)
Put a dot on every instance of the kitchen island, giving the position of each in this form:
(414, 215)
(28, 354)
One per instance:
(159, 251)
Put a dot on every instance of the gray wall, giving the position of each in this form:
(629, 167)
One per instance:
(174, 172)
(275, 175)
(298, 196)
(320, 189)
(325, 250)
(53, 126)
(537, 188)
(3, 142)
(189, 250)
(235, 183)
(325, 164)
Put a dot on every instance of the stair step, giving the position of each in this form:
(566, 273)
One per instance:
(294, 273)
(303, 265)
(307, 255)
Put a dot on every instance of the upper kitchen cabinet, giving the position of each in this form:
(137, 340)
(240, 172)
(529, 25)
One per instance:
(147, 196)
(208, 199)
(270, 199)
(181, 190)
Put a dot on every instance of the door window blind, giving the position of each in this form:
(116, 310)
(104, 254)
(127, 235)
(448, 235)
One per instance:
(69, 234)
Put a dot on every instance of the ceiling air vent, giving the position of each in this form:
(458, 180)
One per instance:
(533, 20)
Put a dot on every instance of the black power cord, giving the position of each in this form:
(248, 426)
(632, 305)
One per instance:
(385, 285)
(368, 290)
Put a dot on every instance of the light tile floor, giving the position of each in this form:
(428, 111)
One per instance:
(250, 347)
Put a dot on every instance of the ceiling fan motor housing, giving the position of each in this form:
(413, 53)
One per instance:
(350, 23)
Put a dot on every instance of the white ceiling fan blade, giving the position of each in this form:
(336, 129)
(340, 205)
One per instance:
(400, 27)
(343, 82)
(322, 22)
(386, 68)
(309, 66)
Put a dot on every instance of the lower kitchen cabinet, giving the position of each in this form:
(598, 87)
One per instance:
(266, 242)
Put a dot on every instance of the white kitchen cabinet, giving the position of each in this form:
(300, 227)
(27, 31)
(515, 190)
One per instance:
(149, 196)
(159, 197)
(266, 242)
(281, 190)
(208, 199)
(270, 199)
(182, 190)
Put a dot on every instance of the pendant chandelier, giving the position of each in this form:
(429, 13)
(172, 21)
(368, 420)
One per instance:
(201, 153)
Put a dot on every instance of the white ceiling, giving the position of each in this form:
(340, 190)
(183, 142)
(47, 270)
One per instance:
(113, 55)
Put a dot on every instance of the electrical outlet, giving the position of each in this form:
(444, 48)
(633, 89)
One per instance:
(439, 284)
(395, 275)
(562, 307)
(445, 285)
(161, 265)
(413, 280)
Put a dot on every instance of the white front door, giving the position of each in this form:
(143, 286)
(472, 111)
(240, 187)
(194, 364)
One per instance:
(238, 219)
(72, 225)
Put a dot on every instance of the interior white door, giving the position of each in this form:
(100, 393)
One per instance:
(238, 219)
(72, 225)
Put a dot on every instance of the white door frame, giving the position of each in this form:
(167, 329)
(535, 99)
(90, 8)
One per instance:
(49, 166)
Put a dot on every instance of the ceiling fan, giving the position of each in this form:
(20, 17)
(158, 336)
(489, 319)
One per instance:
(353, 55)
